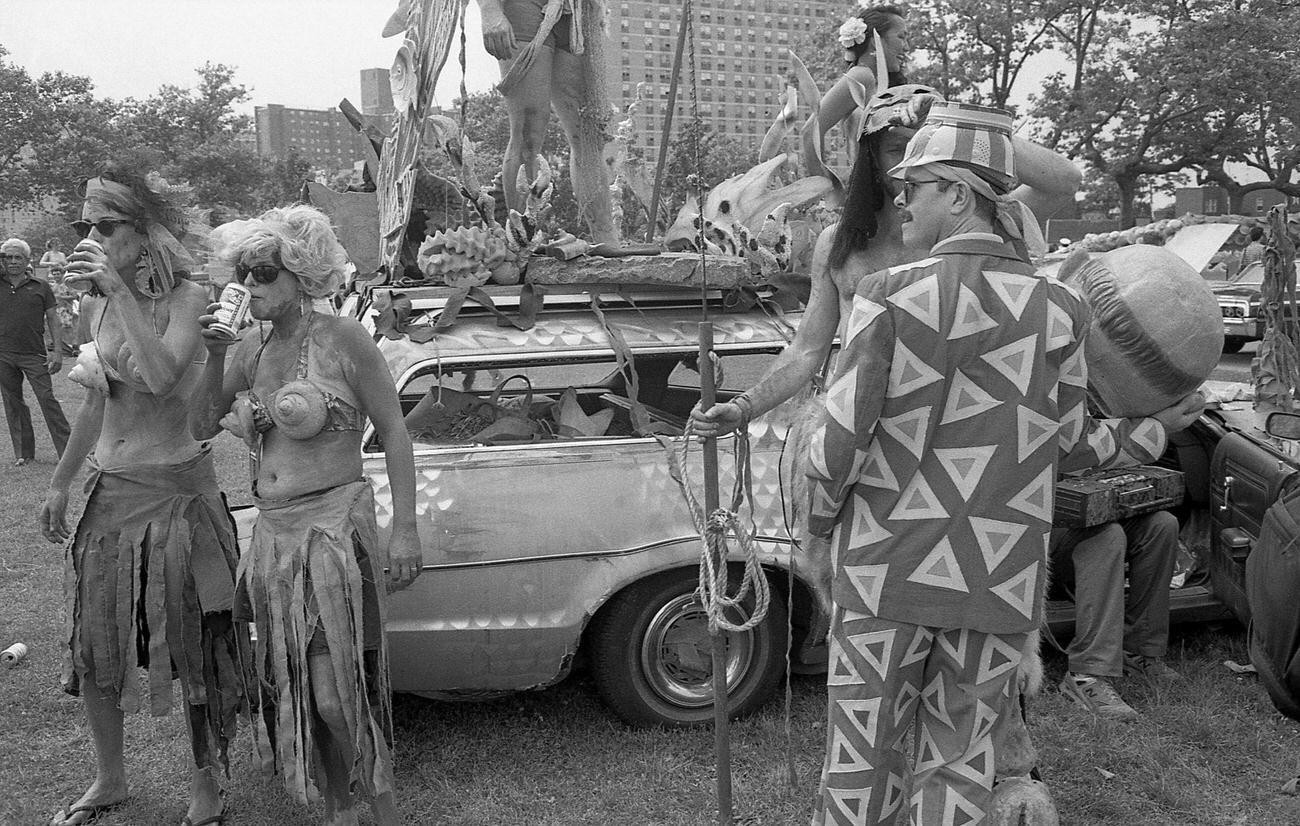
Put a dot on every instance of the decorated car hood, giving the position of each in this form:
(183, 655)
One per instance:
(491, 505)
(582, 332)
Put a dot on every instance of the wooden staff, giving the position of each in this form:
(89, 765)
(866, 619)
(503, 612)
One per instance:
(717, 636)
(668, 122)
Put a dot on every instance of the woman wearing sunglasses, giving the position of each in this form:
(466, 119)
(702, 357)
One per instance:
(151, 565)
(298, 391)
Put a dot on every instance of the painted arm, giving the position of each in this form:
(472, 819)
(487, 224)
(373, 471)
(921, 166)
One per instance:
(498, 34)
(85, 433)
(839, 101)
(1088, 442)
(1048, 180)
(218, 385)
(55, 361)
(378, 398)
(797, 364)
(854, 401)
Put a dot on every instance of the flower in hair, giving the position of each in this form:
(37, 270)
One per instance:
(852, 32)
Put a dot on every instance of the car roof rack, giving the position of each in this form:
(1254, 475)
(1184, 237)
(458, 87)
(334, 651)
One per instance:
(426, 300)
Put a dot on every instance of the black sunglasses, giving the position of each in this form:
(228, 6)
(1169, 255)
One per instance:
(909, 187)
(262, 273)
(106, 226)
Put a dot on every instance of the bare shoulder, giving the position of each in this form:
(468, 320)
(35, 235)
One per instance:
(863, 75)
(349, 338)
(187, 296)
(343, 329)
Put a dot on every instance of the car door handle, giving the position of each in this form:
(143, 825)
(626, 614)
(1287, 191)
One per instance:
(1227, 494)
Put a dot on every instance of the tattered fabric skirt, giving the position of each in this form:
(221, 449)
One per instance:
(149, 580)
(308, 584)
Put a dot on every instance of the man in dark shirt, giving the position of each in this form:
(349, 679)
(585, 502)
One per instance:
(26, 307)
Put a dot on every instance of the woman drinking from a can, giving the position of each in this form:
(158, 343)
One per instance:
(299, 391)
(150, 570)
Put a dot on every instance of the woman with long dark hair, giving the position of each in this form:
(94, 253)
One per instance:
(868, 37)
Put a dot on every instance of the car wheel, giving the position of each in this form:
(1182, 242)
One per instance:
(652, 654)
(1233, 344)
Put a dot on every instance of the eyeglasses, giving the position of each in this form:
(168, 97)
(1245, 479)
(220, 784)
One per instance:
(13, 259)
(106, 226)
(262, 273)
(909, 187)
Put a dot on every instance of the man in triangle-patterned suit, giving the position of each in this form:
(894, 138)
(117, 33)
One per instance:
(959, 397)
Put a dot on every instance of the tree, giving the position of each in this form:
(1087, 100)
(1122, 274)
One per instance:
(283, 178)
(50, 130)
(176, 120)
(1258, 116)
(1175, 93)
(978, 48)
(699, 154)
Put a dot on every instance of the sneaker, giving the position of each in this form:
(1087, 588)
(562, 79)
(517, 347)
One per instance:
(1097, 695)
(21, 462)
(1153, 669)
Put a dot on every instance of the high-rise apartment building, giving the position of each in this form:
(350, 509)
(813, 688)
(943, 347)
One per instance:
(324, 137)
(740, 54)
(376, 93)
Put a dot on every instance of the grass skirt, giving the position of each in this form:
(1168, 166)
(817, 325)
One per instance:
(149, 580)
(309, 574)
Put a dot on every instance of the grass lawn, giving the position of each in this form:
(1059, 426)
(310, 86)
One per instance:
(1209, 751)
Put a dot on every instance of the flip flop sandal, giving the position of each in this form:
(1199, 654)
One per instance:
(215, 820)
(91, 810)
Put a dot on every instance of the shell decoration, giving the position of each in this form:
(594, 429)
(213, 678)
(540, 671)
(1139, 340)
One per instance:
(539, 191)
(404, 79)
(462, 257)
(298, 409)
(88, 371)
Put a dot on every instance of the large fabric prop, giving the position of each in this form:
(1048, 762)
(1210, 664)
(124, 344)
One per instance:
(429, 27)
(1156, 331)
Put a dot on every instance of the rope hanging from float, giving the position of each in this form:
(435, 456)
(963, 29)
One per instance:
(713, 528)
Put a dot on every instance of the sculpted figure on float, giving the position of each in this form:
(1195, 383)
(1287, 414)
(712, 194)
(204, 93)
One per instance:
(552, 59)
(1156, 330)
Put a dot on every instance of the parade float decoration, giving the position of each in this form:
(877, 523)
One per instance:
(454, 236)
(1156, 331)
(1275, 371)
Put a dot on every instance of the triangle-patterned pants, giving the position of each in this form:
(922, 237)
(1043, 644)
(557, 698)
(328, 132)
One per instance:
(946, 685)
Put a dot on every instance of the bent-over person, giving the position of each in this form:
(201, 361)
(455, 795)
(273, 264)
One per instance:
(299, 391)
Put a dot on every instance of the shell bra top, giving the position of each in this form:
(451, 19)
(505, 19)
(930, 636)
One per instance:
(341, 414)
(114, 369)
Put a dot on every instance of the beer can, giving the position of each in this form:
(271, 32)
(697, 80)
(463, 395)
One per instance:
(232, 315)
(73, 277)
(13, 655)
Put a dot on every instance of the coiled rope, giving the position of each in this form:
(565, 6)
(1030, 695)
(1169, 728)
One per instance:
(713, 529)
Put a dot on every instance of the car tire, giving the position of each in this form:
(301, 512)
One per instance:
(1233, 344)
(651, 654)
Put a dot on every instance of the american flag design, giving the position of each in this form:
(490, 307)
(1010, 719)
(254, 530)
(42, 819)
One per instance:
(965, 133)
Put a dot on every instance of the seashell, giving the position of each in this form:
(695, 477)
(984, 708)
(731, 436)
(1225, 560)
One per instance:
(298, 409)
(507, 272)
(88, 372)
(462, 257)
(403, 78)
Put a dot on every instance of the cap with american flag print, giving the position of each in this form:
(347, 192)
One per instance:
(965, 134)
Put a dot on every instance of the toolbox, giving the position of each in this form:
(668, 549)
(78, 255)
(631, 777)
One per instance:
(1107, 495)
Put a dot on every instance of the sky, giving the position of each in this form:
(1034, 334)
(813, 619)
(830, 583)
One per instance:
(301, 53)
